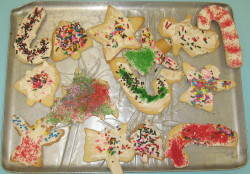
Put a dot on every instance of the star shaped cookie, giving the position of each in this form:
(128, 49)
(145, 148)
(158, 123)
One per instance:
(117, 32)
(204, 84)
(110, 145)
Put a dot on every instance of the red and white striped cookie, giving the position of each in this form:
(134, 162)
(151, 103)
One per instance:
(228, 31)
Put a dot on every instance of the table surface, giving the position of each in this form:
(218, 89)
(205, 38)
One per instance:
(241, 13)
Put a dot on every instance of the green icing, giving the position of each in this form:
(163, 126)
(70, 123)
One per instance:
(140, 91)
(142, 60)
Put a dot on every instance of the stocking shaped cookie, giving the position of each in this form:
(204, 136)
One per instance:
(25, 35)
(209, 134)
(183, 35)
(69, 39)
(203, 86)
(147, 141)
(151, 52)
(136, 91)
(83, 98)
(110, 145)
(40, 84)
(116, 32)
(29, 151)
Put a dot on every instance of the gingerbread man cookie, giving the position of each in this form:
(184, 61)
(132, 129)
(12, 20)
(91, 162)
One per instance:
(183, 35)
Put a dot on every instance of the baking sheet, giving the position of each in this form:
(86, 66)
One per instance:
(67, 154)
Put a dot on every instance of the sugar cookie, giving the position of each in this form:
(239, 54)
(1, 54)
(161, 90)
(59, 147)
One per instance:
(228, 30)
(208, 134)
(183, 35)
(26, 34)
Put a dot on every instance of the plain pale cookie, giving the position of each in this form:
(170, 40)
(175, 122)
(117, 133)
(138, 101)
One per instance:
(116, 32)
(40, 84)
(29, 151)
(110, 145)
(147, 141)
(208, 134)
(26, 34)
(69, 40)
(183, 35)
(204, 84)
(83, 98)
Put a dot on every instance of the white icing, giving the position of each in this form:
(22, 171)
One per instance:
(26, 84)
(31, 34)
(183, 33)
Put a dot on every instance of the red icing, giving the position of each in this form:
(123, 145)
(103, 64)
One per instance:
(222, 16)
(235, 63)
(208, 134)
(203, 19)
(230, 35)
(28, 151)
(227, 23)
(232, 48)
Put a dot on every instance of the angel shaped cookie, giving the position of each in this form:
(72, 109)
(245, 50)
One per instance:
(69, 39)
(203, 86)
(40, 84)
(147, 141)
(83, 98)
(116, 32)
(151, 52)
(29, 151)
(110, 145)
(183, 35)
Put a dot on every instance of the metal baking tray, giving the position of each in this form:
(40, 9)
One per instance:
(67, 155)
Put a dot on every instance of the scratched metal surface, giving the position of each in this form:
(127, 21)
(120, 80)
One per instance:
(67, 155)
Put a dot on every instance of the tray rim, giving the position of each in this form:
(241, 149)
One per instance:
(38, 2)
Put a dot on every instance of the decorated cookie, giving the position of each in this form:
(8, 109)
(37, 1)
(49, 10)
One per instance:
(29, 151)
(116, 32)
(208, 134)
(204, 84)
(147, 142)
(143, 59)
(110, 145)
(183, 35)
(69, 39)
(83, 98)
(40, 84)
(228, 30)
(26, 34)
(135, 89)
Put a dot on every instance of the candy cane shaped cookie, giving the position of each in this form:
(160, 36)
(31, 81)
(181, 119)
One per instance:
(25, 35)
(208, 134)
(228, 30)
